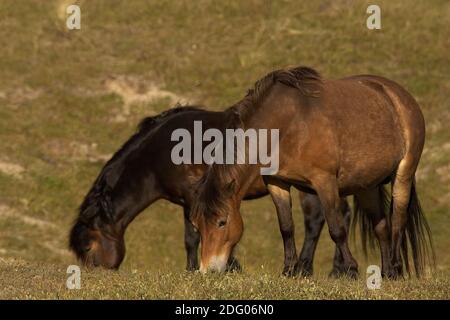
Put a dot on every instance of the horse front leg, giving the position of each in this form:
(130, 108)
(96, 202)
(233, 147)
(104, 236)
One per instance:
(191, 242)
(328, 193)
(280, 193)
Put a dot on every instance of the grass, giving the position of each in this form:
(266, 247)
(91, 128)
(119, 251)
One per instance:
(48, 282)
(62, 111)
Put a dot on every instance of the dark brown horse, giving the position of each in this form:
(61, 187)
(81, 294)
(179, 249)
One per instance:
(336, 138)
(142, 171)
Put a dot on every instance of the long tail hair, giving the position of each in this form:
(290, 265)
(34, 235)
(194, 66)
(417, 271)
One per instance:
(362, 217)
(419, 236)
(417, 232)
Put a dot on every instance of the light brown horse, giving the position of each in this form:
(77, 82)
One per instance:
(336, 138)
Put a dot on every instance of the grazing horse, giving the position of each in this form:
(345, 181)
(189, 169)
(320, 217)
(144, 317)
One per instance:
(142, 171)
(336, 138)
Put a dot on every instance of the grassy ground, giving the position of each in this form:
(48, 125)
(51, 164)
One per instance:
(68, 99)
(48, 282)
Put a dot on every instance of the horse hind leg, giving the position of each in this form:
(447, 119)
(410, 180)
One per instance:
(408, 221)
(314, 221)
(401, 192)
(327, 189)
(338, 261)
(407, 217)
(370, 209)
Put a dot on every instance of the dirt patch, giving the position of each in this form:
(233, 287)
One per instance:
(58, 251)
(20, 95)
(11, 169)
(444, 173)
(7, 212)
(134, 90)
(60, 150)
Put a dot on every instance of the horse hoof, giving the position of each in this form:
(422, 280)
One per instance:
(335, 273)
(233, 265)
(304, 272)
(394, 275)
(395, 272)
(289, 271)
(304, 269)
(191, 268)
(351, 273)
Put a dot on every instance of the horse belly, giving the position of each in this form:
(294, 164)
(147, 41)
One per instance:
(358, 176)
(371, 147)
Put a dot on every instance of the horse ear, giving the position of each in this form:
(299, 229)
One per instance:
(89, 212)
(107, 205)
(230, 189)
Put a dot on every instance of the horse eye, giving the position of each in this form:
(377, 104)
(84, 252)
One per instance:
(222, 223)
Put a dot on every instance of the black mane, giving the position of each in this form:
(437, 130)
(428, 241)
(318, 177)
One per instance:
(98, 200)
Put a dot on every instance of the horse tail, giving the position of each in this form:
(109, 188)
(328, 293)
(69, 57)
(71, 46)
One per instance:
(418, 233)
(362, 217)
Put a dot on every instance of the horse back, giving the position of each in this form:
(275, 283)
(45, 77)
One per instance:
(350, 130)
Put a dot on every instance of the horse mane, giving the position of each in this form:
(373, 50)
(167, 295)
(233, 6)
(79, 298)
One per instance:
(305, 79)
(212, 194)
(98, 201)
(299, 78)
(210, 191)
(150, 122)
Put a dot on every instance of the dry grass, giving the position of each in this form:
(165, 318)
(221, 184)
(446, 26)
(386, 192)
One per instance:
(61, 116)
(43, 281)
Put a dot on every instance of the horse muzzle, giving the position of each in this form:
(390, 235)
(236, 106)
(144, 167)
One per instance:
(215, 264)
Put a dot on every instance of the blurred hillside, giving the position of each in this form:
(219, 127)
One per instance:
(69, 99)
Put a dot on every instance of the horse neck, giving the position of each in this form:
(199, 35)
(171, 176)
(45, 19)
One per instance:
(128, 206)
(242, 174)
